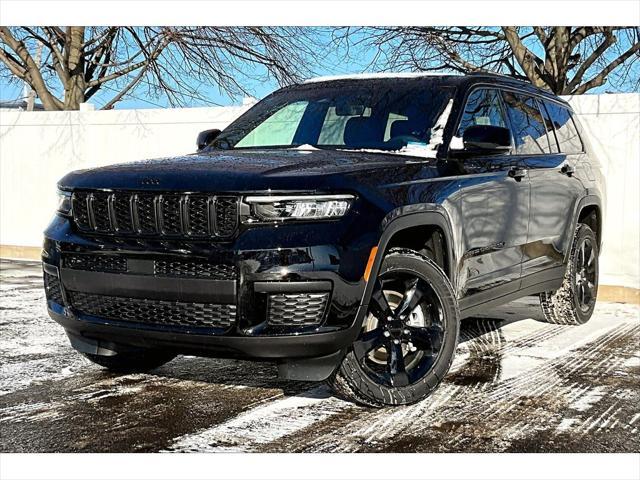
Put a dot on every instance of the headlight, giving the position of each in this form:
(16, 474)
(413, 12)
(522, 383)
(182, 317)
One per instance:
(303, 207)
(64, 202)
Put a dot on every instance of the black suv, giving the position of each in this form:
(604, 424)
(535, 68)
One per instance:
(341, 228)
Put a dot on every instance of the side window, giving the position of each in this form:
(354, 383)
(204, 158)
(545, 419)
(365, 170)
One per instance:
(527, 124)
(483, 108)
(549, 126)
(566, 132)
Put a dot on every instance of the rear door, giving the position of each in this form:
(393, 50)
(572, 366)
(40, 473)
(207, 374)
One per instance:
(555, 191)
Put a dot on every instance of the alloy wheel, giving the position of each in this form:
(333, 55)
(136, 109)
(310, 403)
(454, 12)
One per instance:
(586, 274)
(404, 330)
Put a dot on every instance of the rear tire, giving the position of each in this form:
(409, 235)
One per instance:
(406, 346)
(573, 303)
(131, 362)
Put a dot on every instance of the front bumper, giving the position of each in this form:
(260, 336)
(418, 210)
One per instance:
(263, 274)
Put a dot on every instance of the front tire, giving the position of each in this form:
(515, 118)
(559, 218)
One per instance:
(131, 362)
(408, 339)
(573, 303)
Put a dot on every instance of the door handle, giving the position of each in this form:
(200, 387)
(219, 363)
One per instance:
(568, 170)
(517, 173)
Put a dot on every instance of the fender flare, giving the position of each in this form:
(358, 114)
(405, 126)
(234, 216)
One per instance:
(436, 217)
(587, 201)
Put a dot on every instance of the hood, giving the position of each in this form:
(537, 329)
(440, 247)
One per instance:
(239, 170)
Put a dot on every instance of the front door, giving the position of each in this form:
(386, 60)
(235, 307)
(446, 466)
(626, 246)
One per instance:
(493, 204)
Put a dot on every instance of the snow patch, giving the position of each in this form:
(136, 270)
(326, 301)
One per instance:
(587, 401)
(265, 424)
(372, 76)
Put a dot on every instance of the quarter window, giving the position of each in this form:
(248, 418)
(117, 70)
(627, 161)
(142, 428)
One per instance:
(483, 108)
(527, 124)
(566, 132)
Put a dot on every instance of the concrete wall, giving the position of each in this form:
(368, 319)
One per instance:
(612, 123)
(38, 148)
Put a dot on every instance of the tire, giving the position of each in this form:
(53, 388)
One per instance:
(399, 362)
(573, 303)
(131, 362)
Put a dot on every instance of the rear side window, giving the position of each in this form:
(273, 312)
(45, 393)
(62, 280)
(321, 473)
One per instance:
(527, 124)
(483, 108)
(566, 132)
(549, 125)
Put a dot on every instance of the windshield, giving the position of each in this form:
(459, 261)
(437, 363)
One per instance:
(387, 116)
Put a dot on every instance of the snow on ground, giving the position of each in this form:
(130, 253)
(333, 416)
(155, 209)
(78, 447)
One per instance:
(517, 384)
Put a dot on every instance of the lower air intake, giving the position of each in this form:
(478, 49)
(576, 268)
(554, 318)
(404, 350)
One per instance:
(155, 312)
(297, 309)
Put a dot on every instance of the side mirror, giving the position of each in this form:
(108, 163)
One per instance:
(486, 139)
(206, 137)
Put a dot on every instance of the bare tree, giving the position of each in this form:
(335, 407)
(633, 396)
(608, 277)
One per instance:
(79, 62)
(565, 60)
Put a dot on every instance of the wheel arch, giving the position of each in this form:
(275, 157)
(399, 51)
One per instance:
(589, 211)
(405, 225)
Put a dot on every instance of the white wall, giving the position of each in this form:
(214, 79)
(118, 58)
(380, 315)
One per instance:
(612, 123)
(38, 148)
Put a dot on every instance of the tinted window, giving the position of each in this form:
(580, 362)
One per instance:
(483, 108)
(278, 129)
(566, 131)
(549, 126)
(527, 124)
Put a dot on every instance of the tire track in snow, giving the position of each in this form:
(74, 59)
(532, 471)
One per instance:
(478, 407)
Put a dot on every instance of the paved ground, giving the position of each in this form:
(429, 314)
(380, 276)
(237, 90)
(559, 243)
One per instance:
(517, 385)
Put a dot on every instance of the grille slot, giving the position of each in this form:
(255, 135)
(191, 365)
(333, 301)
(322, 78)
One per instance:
(171, 214)
(122, 212)
(226, 215)
(198, 207)
(96, 263)
(155, 312)
(145, 210)
(52, 288)
(81, 210)
(157, 215)
(99, 213)
(297, 309)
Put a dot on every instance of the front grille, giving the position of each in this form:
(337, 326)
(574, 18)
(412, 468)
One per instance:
(298, 309)
(155, 312)
(96, 263)
(158, 215)
(52, 288)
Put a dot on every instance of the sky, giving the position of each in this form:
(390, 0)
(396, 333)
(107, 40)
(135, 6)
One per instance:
(333, 64)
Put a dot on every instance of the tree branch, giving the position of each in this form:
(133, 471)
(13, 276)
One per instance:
(601, 78)
(32, 71)
(524, 57)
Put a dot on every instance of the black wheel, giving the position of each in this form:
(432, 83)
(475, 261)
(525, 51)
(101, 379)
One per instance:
(132, 361)
(574, 302)
(408, 339)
